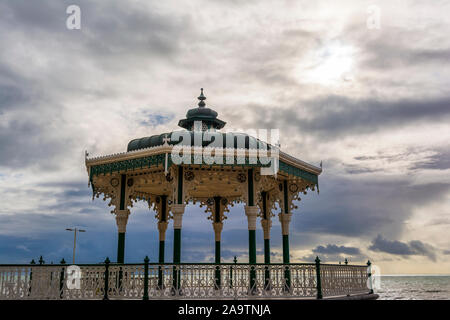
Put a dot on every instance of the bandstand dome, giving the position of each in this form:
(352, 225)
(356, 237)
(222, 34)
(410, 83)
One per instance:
(209, 120)
(158, 140)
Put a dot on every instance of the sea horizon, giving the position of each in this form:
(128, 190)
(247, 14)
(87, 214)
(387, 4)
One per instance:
(416, 275)
(414, 287)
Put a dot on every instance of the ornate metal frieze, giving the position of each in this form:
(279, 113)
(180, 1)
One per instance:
(269, 185)
(200, 184)
(297, 172)
(209, 204)
(125, 165)
(159, 159)
(295, 188)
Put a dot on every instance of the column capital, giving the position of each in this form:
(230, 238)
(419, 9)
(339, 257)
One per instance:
(177, 213)
(251, 212)
(122, 219)
(218, 226)
(266, 225)
(177, 208)
(162, 227)
(285, 219)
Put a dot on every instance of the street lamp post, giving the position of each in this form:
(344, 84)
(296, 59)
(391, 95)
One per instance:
(75, 240)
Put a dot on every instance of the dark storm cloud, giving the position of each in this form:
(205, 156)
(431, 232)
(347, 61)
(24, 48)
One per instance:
(10, 96)
(107, 28)
(26, 143)
(360, 208)
(335, 253)
(439, 161)
(27, 114)
(390, 57)
(385, 157)
(355, 169)
(335, 116)
(333, 249)
(398, 50)
(397, 47)
(72, 190)
(34, 16)
(63, 184)
(271, 62)
(131, 29)
(15, 90)
(438, 222)
(395, 247)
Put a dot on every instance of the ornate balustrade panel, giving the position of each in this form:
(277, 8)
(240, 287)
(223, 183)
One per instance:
(126, 282)
(197, 281)
(30, 282)
(45, 282)
(181, 281)
(303, 281)
(91, 283)
(160, 281)
(338, 280)
(15, 282)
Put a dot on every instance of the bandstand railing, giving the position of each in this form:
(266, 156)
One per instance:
(182, 281)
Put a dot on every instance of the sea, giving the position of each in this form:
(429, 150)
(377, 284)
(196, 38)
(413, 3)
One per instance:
(414, 287)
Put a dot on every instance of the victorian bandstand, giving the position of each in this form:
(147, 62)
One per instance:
(147, 172)
(205, 164)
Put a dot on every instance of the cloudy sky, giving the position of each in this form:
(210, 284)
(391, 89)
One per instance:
(372, 103)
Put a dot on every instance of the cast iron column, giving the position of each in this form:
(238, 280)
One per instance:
(121, 220)
(285, 219)
(177, 213)
(266, 224)
(217, 225)
(251, 212)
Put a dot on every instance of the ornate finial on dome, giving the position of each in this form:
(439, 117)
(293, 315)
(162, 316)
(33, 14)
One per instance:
(201, 104)
(207, 116)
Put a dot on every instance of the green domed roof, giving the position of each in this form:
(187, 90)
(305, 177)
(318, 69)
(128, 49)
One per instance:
(234, 140)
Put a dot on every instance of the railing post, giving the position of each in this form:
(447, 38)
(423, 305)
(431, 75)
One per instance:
(267, 285)
(287, 277)
(319, 280)
(369, 275)
(119, 280)
(217, 276)
(61, 280)
(176, 283)
(146, 261)
(252, 279)
(105, 296)
(160, 277)
(40, 273)
(31, 276)
(231, 271)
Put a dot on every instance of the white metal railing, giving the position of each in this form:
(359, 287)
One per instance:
(181, 281)
(338, 280)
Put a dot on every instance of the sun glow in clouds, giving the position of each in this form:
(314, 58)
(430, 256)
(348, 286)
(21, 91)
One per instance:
(330, 64)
